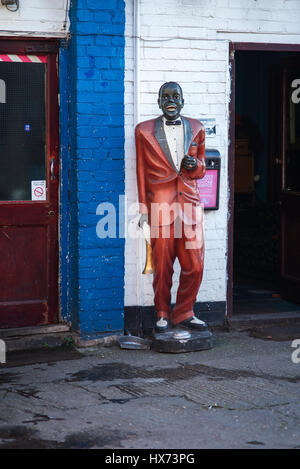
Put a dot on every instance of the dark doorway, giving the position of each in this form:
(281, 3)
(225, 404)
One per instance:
(267, 151)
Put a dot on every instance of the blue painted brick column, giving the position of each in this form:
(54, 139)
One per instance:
(99, 36)
(68, 179)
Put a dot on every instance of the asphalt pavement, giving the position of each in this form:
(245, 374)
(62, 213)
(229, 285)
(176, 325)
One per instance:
(244, 393)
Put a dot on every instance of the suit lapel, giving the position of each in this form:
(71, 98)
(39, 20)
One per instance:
(188, 134)
(160, 136)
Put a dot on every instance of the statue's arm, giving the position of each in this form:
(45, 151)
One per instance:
(140, 173)
(197, 171)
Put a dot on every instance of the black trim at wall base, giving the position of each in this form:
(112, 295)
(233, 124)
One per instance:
(139, 320)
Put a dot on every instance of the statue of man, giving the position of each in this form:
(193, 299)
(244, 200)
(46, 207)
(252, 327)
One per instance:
(170, 153)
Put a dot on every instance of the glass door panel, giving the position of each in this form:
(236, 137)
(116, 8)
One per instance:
(22, 129)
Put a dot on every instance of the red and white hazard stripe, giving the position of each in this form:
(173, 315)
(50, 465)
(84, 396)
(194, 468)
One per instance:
(36, 59)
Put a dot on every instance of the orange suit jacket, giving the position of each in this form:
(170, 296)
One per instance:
(160, 185)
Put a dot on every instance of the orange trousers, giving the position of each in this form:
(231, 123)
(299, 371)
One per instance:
(188, 246)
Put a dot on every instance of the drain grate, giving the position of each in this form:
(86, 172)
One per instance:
(238, 395)
(206, 386)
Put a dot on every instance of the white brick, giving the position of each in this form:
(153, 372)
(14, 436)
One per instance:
(179, 43)
(45, 4)
(36, 17)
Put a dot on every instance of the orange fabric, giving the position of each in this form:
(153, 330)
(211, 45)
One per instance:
(164, 252)
(159, 185)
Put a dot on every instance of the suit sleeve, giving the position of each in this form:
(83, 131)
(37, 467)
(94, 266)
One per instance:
(140, 173)
(199, 172)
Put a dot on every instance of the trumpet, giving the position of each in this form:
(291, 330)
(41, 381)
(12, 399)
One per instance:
(148, 266)
(143, 224)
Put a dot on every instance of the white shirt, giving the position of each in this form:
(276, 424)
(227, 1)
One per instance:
(175, 140)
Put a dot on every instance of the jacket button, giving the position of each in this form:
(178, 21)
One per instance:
(180, 193)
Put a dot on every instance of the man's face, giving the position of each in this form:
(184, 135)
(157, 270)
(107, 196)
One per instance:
(171, 101)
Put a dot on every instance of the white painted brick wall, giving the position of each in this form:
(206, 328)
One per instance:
(187, 41)
(36, 18)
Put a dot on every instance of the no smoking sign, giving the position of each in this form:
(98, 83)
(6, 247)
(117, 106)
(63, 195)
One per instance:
(38, 190)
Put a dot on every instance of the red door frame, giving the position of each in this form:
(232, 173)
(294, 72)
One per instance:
(23, 46)
(240, 46)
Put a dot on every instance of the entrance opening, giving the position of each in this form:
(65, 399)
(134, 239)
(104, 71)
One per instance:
(267, 148)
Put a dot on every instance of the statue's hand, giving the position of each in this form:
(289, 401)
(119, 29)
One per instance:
(143, 219)
(189, 163)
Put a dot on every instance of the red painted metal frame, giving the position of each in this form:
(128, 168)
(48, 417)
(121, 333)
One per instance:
(53, 153)
(229, 302)
(240, 46)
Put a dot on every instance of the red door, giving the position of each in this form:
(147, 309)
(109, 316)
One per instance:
(28, 184)
(285, 168)
(290, 188)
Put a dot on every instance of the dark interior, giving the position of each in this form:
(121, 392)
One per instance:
(257, 222)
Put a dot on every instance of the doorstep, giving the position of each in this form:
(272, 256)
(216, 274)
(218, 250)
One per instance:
(246, 321)
(38, 337)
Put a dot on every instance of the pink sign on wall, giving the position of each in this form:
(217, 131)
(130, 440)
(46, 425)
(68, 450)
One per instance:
(208, 188)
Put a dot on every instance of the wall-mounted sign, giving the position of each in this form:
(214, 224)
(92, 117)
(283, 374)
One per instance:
(208, 187)
(210, 127)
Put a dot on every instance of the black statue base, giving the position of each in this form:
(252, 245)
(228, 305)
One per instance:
(180, 340)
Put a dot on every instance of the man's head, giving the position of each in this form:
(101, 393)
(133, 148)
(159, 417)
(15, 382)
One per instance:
(170, 100)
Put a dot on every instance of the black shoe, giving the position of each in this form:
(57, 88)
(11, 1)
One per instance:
(162, 325)
(194, 324)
